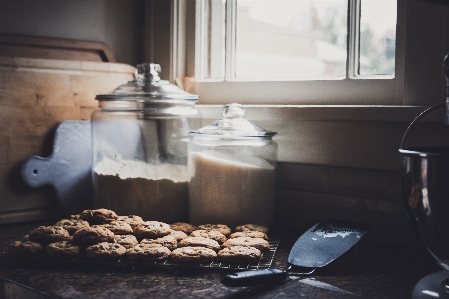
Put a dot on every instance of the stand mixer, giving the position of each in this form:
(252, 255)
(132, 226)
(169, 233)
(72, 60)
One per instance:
(425, 186)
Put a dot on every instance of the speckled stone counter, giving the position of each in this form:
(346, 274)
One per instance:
(369, 270)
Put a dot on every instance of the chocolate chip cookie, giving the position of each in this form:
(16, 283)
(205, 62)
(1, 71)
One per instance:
(210, 234)
(25, 249)
(126, 241)
(49, 234)
(93, 235)
(75, 216)
(187, 228)
(118, 227)
(167, 241)
(132, 220)
(98, 216)
(178, 235)
(250, 234)
(199, 242)
(63, 250)
(258, 243)
(152, 230)
(193, 255)
(72, 225)
(252, 227)
(105, 251)
(222, 228)
(148, 252)
(240, 255)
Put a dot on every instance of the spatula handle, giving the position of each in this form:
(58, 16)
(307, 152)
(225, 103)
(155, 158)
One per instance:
(252, 278)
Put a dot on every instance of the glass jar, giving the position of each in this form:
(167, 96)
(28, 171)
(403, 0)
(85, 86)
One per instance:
(232, 167)
(140, 136)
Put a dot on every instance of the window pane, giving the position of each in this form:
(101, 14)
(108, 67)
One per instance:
(211, 41)
(291, 39)
(377, 37)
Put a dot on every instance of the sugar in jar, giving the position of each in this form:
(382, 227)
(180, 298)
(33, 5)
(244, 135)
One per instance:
(232, 168)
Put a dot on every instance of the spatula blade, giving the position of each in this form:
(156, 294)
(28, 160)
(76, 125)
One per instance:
(325, 242)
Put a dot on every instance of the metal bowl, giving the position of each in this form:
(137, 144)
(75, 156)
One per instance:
(425, 187)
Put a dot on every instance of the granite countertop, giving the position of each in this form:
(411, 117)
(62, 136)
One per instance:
(369, 270)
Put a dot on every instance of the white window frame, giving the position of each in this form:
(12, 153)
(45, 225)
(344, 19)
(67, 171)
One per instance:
(216, 65)
(353, 89)
(417, 76)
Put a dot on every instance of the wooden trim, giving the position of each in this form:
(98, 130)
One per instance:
(160, 29)
(54, 48)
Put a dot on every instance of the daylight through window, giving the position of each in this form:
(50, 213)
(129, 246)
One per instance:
(284, 40)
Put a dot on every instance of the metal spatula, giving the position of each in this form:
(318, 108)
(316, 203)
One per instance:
(317, 247)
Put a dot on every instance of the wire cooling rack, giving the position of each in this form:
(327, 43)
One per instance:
(264, 263)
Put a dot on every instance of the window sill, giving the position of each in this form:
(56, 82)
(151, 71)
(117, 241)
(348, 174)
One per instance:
(321, 112)
(362, 137)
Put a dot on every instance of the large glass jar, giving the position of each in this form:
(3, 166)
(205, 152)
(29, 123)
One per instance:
(232, 167)
(140, 135)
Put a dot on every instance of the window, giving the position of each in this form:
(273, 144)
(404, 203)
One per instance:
(421, 44)
(377, 38)
(295, 52)
(294, 40)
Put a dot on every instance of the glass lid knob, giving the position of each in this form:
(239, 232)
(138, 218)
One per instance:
(148, 72)
(233, 111)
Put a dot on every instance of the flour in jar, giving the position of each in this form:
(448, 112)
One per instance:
(154, 192)
(225, 189)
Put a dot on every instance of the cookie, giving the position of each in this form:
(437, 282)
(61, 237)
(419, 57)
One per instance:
(132, 220)
(187, 228)
(126, 241)
(167, 241)
(25, 249)
(25, 238)
(222, 228)
(178, 235)
(250, 234)
(152, 230)
(252, 227)
(118, 227)
(49, 234)
(105, 251)
(210, 234)
(193, 255)
(75, 216)
(258, 243)
(240, 255)
(98, 216)
(200, 242)
(72, 225)
(63, 250)
(148, 252)
(93, 235)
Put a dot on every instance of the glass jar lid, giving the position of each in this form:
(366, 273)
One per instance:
(233, 125)
(148, 86)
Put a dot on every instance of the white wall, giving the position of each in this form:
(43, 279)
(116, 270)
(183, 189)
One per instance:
(118, 23)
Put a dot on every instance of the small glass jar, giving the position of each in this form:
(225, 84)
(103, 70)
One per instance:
(140, 136)
(232, 167)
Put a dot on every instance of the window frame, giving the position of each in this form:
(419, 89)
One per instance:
(422, 42)
(352, 90)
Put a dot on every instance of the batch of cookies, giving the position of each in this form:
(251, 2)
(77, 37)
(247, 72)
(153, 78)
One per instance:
(101, 234)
